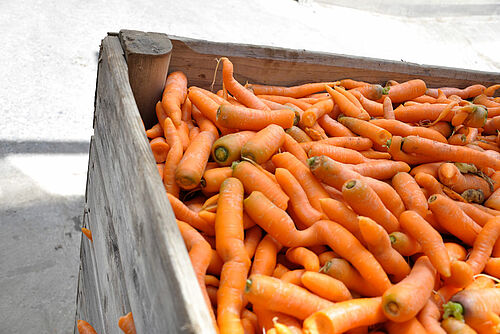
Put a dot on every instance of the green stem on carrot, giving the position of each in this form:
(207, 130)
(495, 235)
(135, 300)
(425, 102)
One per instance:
(454, 310)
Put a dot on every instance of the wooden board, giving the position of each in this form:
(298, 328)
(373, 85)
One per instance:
(138, 261)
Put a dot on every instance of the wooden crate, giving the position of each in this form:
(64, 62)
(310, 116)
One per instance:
(138, 261)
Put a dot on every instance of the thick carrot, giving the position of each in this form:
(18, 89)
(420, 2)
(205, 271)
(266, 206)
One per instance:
(443, 128)
(316, 111)
(298, 198)
(493, 267)
(378, 135)
(254, 179)
(340, 154)
(242, 118)
(341, 270)
(280, 296)
(365, 201)
(342, 214)
(455, 251)
(295, 91)
(403, 301)
(263, 144)
(345, 315)
(468, 92)
(430, 240)
(490, 91)
(325, 286)
(372, 92)
(398, 128)
(429, 317)
(325, 257)
(379, 244)
(429, 183)
(155, 131)
(298, 134)
(316, 132)
(350, 96)
(346, 106)
(410, 192)
(182, 212)
(227, 149)
(493, 201)
(204, 103)
(418, 145)
(160, 148)
(84, 327)
(483, 245)
(407, 90)
(173, 96)
(388, 110)
(453, 219)
(293, 276)
(380, 169)
(242, 94)
(334, 128)
(421, 112)
(454, 326)
(481, 282)
(303, 257)
(126, 323)
(412, 326)
(213, 178)
(280, 271)
(192, 165)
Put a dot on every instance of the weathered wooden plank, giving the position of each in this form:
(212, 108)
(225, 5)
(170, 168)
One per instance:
(278, 66)
(161, 286)
(148, 56)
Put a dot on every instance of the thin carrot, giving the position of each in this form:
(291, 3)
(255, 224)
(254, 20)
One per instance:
(283, 297)
(379, 244)
(483, 245)
(381, 169)
(407, 90)
(493, 201)
(242, 118)
(292, 146)
(293, 276)
(265, 256)
(404, 300)
(334, 128)
(227, 149)
(204, 103)
(304, 257)
(378, 135)
(212, 280)
(410, 192)
(429, 183)
(429, 317)
(252, 239)
(316, 111)
(340, 154)
(365, 201)
(160, 148)
(87, 233)
(430, 240)
(350, 96)
(346, 106)
(412, 326)
(263, 144)
(182, 212)
(345, 315)
(325, 286)
(126, 323)
(398, 128)
(428, 168)
(372, 154)
(421, 112)
(160, 167)
(84, 327)
(342, 214)
(254, 179)
(186, 111)
(174, 95)
(213, 178)
(374, 109)
(285, 99)
(295, 91)
(155, 131)
(388, 110)
(354, 143)
(203, 122)
(350, 84)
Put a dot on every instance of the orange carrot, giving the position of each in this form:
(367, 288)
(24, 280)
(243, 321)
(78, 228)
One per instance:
(491, 127)
(304, 257)
(254, 179)
(295, 91)
(160, 167)
(126, 323)
(428, 168)
(468, 92)
(455, 251)
(493, 201)
(388, 110)
(372, 92)
(379, 244)
(227, 149)
(203, 122)
(267, 318)
(429, 183)
(87, 233)
(354, 143)
(316, 111)
(372, 154)
(350, 84)
(155, 131)
(292, 146)
(365, 201)
(160, 149)
(340, 154)
(192, 165)
(421, 112)
(334, 128)
(186, 111)
(430, 240)
(298, 134)
(84, 327)
(412, 326)
(174, 95)
(173, 158)
(293, 276)
(342, 214)
(398, 128)
(410, 192)
(235, 117)
(429, 317)
(404, 243)
(450, 176)
(346, 106)
(483, 245)
(325, 257)
(407, 91)
(404, 300)
(454, 326)
(381, 169)
(325, 286)
(265, 256)
(252, 238)
(378, 135)
(493, 267)
(280, 296)
(374, 109)
(264, 144)
(345, 315)
(285, 100)
(182, 212)
(443, 128)
(213, 178)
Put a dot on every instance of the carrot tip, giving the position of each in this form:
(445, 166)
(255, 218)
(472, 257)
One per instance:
(392, 308)
(454, 310)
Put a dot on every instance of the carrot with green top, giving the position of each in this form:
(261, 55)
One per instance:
(303, 257)
(407, 90)
(453, 219)
(312, 187)
(341, 270)
(213, 178)
(229, 237)
(325, 286)
(227, 149)
(295, 91)
(182, 212)
(429, 239)
(376, 134)
(192, 165)
(398, 128)
(365, 201)
(263, 144)
(126, 323)
(371, 91)
(403, 301)
(280, 296)
(316, 111)
(173, 96)
(345, 315)
(155, 131)
(418, 145)
(381, 169)
(200, 255)
(346, 106)
(342, 214)
(84, 327)
(410, 192)
(298, 198)
(334, 128)
(242, 118)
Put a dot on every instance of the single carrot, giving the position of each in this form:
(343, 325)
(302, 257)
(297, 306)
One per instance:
(418, 145)
(422, 112)
(345, 315)
(325, 286)
(293, 276)
(493, 267)
(490, 91)
(87, 233)
(353, 143)
(340, 154)
(303, 257)
(334, 128)
(173, 96)
(493, 200)
(298, 134)
(254, 179)
(429, 239)
(373, 108)
(325, 257)
(265, 256)
(453, 219)
(298, 198)
(316, 111)
(193, 132)
(160, 148)
(412, 326)
(267, 318)
(341, 270)
(182, 212)
(207, 106)
(450, 176)
(263, 144)
(372, 154)
(407, 90)
(84, 327)
(483, 245)
(316, 132)
(285, 100)
(378, 135)
(454, 326)
(410, 192)
(381, 169)
(227, 149)
(403, 301)
(429, 183)
(388, 110)
(203, 122)
(342, 214)
(350, 84)
(455, 251)
(192, 165)
(372, 91)
(349, 95)
(155, 131)
(365, 201)
(126, 323)
(398, 128)
(252, 239)
(295, 91)
(213, 178)
(280, 296)
(428, 168)
(429, 317)
(292, 146)
(242, 94)
(379, 244)
(425, 99)
(242, 118)
(186, 111)
(212, 280)
(404, 243)
(346, 106)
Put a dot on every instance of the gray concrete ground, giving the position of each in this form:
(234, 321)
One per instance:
(47, 80)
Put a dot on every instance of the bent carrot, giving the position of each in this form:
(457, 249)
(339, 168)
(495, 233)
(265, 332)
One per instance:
(483, 245)
(155, 131)
(295, 91)
(304, 257)
(374, 109)
(173, 96)
(342, 214)
(182, 212)
(263, 144)
(160, 148)
(372, 92)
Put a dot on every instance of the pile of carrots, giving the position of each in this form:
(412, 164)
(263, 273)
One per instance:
(336, 207)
